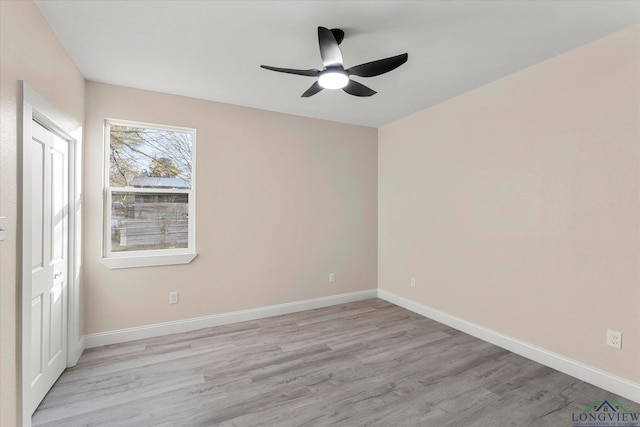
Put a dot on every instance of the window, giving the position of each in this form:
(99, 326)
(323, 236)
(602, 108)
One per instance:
(149, 198)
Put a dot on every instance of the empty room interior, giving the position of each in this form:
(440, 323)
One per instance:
(318, 213)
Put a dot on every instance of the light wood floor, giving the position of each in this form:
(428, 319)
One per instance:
(364, 363)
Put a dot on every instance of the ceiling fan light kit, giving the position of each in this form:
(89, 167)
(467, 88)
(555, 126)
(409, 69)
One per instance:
(334, 76)
(333, 79)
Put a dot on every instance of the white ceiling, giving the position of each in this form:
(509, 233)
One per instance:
(213, 49)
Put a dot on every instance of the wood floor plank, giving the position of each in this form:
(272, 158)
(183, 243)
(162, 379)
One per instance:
(358, 364)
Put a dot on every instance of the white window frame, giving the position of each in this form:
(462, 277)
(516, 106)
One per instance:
(154, 257)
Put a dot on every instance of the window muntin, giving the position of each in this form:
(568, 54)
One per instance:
(150, 206)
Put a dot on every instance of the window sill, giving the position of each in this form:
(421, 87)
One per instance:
(147, 260)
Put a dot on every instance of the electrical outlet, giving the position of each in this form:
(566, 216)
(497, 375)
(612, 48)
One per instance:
(332, 277)
(614, 339)
(173, 297)
(413, 282)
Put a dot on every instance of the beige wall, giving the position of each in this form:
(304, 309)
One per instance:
(29, 51)
(517, 205)
(282, 201)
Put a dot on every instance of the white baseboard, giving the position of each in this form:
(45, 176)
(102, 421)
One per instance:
(82, 345)
(159, 329)
(589, 374)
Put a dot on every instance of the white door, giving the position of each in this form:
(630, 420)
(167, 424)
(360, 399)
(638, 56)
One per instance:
(48, 192)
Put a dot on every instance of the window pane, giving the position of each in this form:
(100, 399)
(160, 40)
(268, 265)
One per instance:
(148, 221)
(149, 158)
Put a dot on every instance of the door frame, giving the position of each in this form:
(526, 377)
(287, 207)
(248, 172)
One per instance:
(34, 107)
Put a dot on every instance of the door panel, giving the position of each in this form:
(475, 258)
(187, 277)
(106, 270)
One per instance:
(58, 201)
(59, 231)
(37, 202)
(49, 239)
(36, 339)
(37, 153)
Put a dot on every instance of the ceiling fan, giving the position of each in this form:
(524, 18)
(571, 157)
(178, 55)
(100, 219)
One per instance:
(333, 75)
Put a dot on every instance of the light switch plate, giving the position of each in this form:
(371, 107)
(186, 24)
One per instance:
(3, 228)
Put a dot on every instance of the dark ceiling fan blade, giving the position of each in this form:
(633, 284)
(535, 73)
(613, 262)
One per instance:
(338, 34)
(310, 73)
(358, 89)
(381, 66)
(329, 50)
(315, 88)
